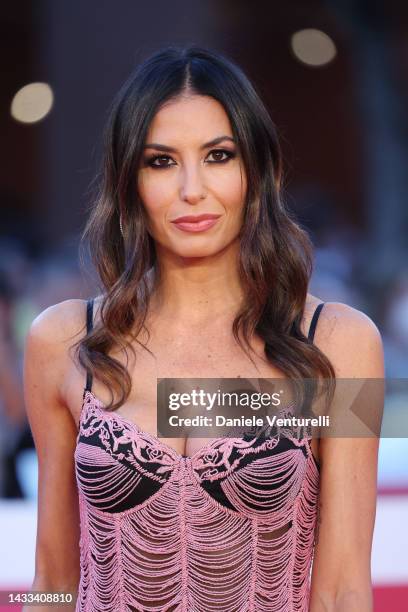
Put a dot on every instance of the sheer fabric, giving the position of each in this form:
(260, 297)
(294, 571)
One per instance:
(229, 529)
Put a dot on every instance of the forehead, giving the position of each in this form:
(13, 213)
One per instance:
(189, 117)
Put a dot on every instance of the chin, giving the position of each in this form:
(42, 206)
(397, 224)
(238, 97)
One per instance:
(198, 251)
(194, 247)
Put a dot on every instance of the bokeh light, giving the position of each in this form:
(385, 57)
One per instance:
(32, 103)
(313, 47)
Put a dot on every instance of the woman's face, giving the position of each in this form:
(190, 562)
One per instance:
(182, 173)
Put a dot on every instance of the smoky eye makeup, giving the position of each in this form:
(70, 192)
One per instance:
(152, 161)
(220, 156)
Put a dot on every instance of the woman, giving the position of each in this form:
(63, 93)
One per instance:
(225, 296)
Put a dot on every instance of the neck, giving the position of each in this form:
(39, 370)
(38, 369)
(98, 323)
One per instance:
(197, 290)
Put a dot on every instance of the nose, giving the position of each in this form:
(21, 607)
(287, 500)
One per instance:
(192, 188)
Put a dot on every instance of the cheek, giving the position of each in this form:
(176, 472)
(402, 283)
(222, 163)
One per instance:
(156, 197)
(237, 194)
(233, 192)
(153, 190)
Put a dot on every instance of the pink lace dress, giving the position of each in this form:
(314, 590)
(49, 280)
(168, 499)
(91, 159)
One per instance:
(229, 529)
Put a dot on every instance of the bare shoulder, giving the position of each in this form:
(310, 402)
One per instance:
(351, 340)
(51, 336)
(62, 322)
(59, 323)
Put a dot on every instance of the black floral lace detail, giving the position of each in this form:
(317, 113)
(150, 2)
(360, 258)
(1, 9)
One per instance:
(125, 443)
(229, 454)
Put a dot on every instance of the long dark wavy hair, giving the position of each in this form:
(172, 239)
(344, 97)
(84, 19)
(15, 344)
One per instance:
(276, 254)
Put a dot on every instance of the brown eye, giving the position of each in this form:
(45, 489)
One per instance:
(218, 155)
(158, 158)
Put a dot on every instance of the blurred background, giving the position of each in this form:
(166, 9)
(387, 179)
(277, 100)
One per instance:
(333, 74)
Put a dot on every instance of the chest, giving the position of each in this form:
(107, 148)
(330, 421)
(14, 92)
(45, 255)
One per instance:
(200, 354)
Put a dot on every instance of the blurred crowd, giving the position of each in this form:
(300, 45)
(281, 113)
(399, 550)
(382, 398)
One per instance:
(28, 285)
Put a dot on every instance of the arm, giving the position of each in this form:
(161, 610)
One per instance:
(341, 575)
(57, 565)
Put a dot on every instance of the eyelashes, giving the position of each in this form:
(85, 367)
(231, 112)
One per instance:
(150, 161)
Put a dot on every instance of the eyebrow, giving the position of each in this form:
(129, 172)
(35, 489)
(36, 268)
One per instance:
(211, 143)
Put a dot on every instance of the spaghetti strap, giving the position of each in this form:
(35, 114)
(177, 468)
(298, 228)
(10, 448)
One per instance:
(313, 323)
(89, 325)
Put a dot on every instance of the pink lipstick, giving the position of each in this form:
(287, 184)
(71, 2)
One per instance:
(196, 223)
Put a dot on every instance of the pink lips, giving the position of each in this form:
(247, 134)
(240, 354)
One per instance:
(197, 223)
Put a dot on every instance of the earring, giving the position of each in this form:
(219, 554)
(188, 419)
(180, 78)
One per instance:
(120, 225)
